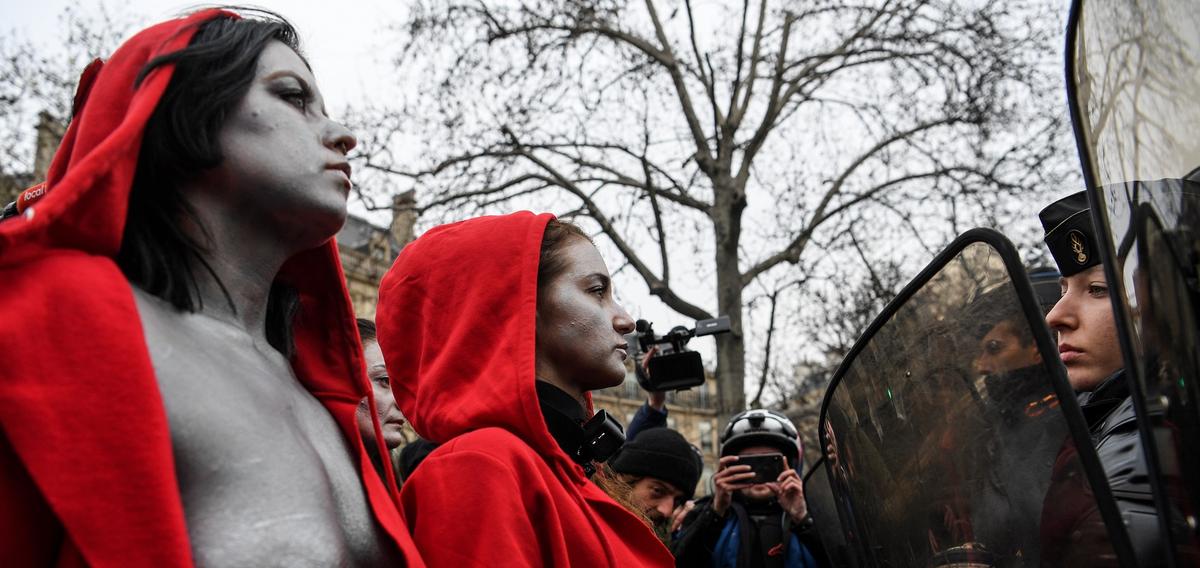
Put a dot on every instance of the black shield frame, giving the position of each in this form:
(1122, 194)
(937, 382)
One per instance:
(1167, 404)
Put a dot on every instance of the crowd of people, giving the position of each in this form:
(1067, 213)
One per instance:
(206, 395)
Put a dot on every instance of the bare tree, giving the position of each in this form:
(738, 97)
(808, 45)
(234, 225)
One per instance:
(745, 133)
(37, 84)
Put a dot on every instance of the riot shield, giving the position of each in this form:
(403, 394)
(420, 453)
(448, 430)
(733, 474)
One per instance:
(951, 436)
(1133, 70)
(822, 506)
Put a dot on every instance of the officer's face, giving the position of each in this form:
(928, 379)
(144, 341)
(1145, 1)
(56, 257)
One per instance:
(1087, 333)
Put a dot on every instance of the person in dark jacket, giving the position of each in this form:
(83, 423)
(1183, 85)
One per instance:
(1087, 342)
(746, 524)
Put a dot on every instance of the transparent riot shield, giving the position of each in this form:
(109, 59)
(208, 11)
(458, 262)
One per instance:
(1133, 70)
(822, 506)
(951, 436)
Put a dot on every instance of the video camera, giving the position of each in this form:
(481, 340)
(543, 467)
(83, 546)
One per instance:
(673, 367)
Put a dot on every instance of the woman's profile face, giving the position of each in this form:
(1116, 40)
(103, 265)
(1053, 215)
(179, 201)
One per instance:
(391, 420)
(1087, 332)
(284, 165)
(580, 326)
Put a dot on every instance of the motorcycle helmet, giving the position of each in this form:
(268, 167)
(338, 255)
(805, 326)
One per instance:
(760, 427)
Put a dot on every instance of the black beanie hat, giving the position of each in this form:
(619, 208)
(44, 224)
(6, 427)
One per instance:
(661, 453)
(1070, 235)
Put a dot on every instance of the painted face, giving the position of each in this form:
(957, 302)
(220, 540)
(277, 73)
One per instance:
(1087, 332)
(580, 327)
(391, 420)
(656, 498)
(284, 162)
(1001, 351)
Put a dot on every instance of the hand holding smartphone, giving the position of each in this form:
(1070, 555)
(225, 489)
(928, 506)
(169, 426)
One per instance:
(766, 467)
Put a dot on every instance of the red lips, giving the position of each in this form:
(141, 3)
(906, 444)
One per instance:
(1068, 352)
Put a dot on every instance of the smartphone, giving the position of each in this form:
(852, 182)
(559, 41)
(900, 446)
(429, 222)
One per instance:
(766, 467)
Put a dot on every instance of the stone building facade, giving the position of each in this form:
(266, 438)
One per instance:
(368, 251)
(49, 132)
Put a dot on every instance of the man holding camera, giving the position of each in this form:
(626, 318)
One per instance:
(757, 516)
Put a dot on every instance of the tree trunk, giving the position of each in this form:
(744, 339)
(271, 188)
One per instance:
(731, 351)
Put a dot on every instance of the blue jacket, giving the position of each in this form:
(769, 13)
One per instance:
(708, 539)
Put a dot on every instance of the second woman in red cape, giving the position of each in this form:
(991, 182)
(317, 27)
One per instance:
(494, 330)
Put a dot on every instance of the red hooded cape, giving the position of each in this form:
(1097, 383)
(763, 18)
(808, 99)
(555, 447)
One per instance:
(456, 325)
(86, 469)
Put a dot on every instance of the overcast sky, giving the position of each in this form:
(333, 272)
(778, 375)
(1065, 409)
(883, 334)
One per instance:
(341, 41)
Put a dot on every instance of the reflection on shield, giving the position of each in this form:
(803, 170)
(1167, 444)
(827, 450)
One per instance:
(950, 431)
(1134, 70)
(822, 505)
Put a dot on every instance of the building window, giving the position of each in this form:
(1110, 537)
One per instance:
(706, 436)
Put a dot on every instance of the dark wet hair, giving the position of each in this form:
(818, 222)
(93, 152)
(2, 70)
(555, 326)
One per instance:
(212, 75)
(366, 330)
(551, 263)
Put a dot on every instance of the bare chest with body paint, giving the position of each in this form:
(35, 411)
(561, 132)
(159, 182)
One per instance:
(265, 475)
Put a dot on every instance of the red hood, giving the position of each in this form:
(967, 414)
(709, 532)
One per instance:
(67, 304)
(90, 178)
(456, 325)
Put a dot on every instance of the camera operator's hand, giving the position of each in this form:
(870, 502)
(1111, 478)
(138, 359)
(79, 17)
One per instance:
(729, 478)
(681, 512)
(657, 399)
(789, 491)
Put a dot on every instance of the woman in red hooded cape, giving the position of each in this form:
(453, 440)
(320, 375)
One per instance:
(106, 457)
(494, 330)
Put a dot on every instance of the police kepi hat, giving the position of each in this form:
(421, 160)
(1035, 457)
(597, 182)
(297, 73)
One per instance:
(1070, 235)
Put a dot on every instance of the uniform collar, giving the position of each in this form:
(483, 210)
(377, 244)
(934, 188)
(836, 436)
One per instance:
(1099, 402)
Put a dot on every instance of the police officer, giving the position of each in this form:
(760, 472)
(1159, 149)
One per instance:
(749, 522)
(1087, 342)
